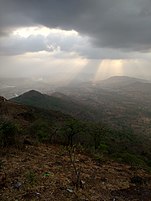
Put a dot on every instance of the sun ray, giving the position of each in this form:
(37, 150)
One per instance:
(109, 68)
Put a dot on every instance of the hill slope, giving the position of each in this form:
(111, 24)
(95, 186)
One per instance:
(56, 101)
(25, 115)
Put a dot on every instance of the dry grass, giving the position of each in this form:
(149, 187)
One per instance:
(45, 173)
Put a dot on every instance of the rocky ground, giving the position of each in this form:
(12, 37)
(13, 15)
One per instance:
(45, 172)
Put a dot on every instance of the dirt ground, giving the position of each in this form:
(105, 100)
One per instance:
(46, 173)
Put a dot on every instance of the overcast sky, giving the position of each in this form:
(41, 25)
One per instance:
(103, 37)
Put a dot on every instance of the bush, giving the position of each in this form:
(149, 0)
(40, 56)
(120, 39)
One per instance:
(103, 148)
(41, 130)
(31, 177)
(8, 133)
(131, 159)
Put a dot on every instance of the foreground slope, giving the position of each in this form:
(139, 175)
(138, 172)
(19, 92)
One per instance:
(46, 173)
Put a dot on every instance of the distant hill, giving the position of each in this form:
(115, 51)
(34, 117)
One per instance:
(55, 101)
(138, 86)
(119, 81)
(25, 115)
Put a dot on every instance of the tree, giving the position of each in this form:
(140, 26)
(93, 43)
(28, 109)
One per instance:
(97, 132)
(41, 130)
(70, 129)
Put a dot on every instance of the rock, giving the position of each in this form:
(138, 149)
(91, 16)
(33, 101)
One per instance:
(103, 179)
(17, 185)
(31, 195)
(69, 190)
(27, 142)
(137, 180)
(2, 99)
(2, 179)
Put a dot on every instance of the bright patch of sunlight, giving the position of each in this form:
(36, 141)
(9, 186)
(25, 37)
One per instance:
(25, 32)
(109, 68)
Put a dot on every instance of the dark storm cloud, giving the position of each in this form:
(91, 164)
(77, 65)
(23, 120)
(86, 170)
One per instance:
(109, 23)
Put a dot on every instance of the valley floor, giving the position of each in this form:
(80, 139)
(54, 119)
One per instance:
(45, 173)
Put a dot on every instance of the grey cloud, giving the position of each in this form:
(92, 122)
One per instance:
(16, 45)
(109, 23)
(61, 45)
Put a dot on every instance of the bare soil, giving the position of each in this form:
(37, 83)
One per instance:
(45, 172)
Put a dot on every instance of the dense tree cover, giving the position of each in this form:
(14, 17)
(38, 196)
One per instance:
(98, 138)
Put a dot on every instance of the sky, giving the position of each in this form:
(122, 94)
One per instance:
(71, 37)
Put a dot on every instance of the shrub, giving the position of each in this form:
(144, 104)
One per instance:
(41, 130)
(103, 148)
(31, 177)
(8, 133)
(131, 159)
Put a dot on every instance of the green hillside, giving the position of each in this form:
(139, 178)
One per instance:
(57, 102)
